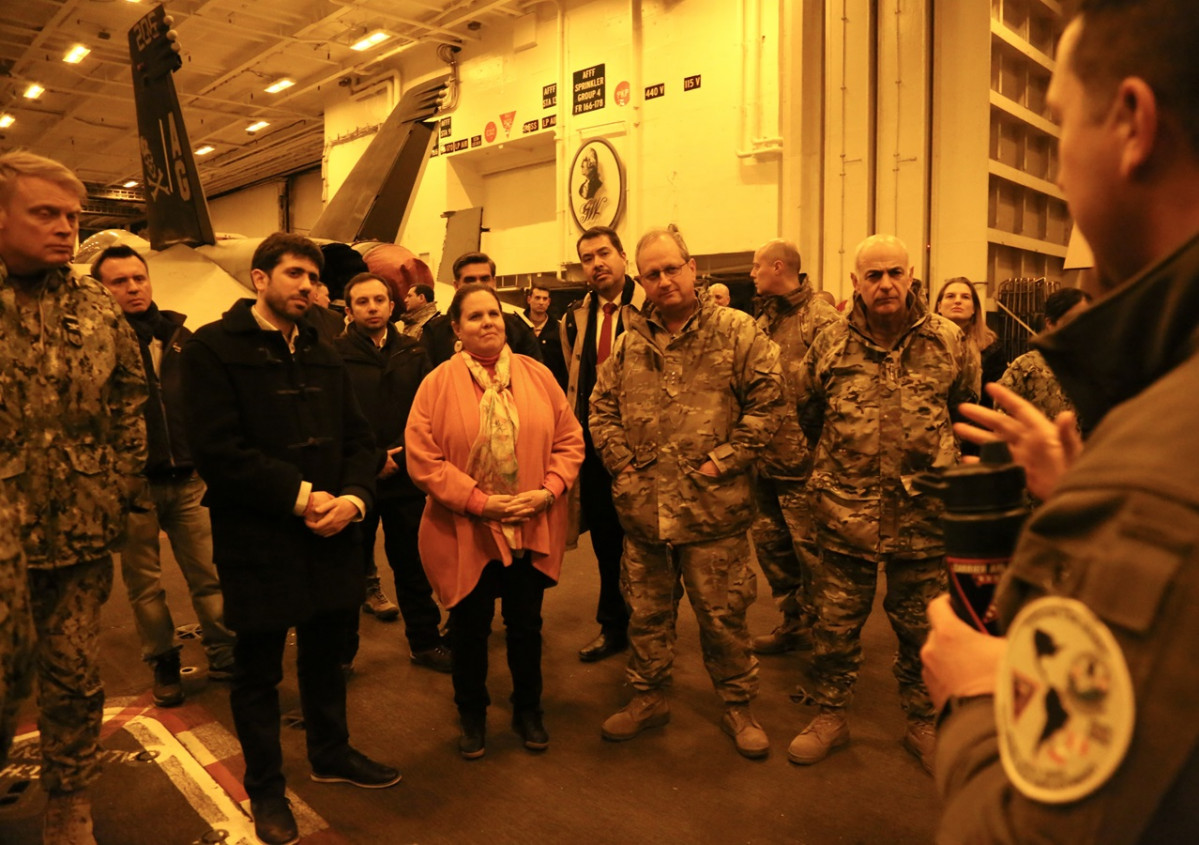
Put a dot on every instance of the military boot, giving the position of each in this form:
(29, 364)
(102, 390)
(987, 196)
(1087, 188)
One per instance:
(68, 819)
(168, 688)
(646, 710)
(377, 603)
(827, 731)
(921, 741)
(792, 635)
(747, 734)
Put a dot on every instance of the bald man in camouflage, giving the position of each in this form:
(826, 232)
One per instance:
(879, 387)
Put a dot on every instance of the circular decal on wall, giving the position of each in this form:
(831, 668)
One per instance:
(490, 131)
(597, 186)
(1064, 702)
(622, 94)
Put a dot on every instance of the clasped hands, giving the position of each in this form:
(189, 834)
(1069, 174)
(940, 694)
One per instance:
(326, 514)
(518, 508)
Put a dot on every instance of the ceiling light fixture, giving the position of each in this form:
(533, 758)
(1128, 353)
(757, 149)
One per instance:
(132, 183)
(6, 120)
(375, 38)
(280, 85)
(254, 127)
(34, 91)
(76, 54)
(205, 150)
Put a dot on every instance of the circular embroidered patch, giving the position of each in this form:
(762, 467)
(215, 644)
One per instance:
(1064, 702)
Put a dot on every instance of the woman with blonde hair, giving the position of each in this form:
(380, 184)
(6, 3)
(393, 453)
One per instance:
(958, 302)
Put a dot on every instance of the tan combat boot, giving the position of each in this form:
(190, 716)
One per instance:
(646, 710)
(68, 819)
(792, 635)
(827, 731)
(377, 604)
(747, 734)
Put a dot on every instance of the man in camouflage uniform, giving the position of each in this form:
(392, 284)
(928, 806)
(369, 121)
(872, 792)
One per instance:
(690, 394)
(73, 441)
(790, 313)
(17, 636)
(880, 386)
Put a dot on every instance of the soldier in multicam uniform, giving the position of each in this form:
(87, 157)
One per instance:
(690, 394)
(72, 440)
(17, 636)
(790, 313)
(881, 386)
(1029, 376)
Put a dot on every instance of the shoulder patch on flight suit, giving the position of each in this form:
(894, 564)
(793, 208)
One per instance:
(1064, 702)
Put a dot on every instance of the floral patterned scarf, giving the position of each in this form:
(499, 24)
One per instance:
(492, 461)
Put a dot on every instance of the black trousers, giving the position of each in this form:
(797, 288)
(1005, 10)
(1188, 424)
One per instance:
(607, 539)
(401, 522)
(520, 589)
(255, 698)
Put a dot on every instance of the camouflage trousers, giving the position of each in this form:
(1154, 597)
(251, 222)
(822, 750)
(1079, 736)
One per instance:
(720, 586)
(66, 612)
(785, 543)
(845, 588)
(17, 638)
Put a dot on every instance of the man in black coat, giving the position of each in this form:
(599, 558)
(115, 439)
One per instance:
(174, 490)
(438, 335)
(588, 334)
(290, 465)
(545, 328)
(386, 367)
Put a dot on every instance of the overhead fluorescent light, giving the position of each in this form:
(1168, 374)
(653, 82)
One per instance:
(34, 91)
(205, 150)
(280, 85)
(75, 55)
(375, 38)
(254, 127)
(6, 120)
(132, 183)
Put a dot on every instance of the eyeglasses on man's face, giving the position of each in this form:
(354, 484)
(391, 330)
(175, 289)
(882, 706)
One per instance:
(670, 271)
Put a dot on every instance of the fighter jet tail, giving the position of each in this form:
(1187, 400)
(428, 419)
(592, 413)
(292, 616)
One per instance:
(176, 210)
(377, 195)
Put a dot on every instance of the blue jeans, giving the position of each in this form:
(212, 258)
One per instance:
(178, 512)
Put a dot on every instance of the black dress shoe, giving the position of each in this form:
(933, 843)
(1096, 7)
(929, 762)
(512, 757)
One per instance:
(527, 724)
(605, 645)
(358, 769)
(473, 743)
(273, 822)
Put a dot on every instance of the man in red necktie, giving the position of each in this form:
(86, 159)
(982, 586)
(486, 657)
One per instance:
(589, 330)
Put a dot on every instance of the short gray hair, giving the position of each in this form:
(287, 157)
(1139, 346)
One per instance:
(672, 232)
(20, 163)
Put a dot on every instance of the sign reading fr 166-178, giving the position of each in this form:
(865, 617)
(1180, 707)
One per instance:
(589, 89)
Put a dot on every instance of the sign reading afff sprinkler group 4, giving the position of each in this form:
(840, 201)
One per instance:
(589, 89)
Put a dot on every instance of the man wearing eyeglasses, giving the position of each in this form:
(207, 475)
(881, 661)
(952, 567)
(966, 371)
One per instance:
(878, 389)
(690, 395)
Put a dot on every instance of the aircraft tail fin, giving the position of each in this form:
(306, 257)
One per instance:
(376, 197)
(176, 210)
